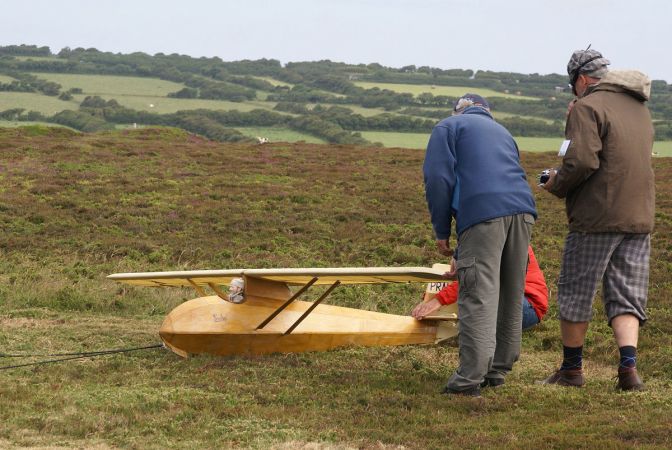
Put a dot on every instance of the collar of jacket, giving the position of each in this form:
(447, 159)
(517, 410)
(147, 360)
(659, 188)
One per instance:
(477, 110)
(631, 82)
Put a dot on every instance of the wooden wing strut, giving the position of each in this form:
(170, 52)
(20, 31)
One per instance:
(199, 289)
(312, 307)
(221, 294)
(287, 303)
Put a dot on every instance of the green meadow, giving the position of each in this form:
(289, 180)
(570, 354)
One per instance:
(279, 134)
(450, 91)
(529, 144)
(275, 82)
(15, 124)
(76, 207)
(31, 101)
(167, 105)
(112, 84)
(144, 94)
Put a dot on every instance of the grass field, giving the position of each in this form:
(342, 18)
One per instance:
(275, 82)
(76, 207)
(167, 105)
(14, 124)
(35, 102)
(528, 144)
(451, 91)
(40, 58)
(113, 85)
(276, 134)
(6, 79)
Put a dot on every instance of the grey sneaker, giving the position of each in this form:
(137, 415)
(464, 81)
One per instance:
(474, 391)
(566, 377)
(492, 382)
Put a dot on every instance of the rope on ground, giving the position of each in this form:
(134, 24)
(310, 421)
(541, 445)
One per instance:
(95, 352)
(72, 356)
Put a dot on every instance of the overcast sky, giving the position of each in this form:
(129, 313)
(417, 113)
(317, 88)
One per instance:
(527, 36)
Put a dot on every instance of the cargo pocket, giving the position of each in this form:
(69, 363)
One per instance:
(466, 273)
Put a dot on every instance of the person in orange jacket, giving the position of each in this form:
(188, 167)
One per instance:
(535, 299)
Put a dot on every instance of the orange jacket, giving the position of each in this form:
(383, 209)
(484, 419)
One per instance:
(535, 288)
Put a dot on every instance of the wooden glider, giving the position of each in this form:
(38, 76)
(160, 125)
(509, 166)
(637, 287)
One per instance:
(271, 319)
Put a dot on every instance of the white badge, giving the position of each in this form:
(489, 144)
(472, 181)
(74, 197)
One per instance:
(563, 147)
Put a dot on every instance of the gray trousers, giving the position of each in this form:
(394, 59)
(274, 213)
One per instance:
(491, 268)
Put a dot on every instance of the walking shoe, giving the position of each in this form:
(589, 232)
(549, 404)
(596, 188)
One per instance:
(492, 382)
(566, 377)
(474, 391)
(628, 380)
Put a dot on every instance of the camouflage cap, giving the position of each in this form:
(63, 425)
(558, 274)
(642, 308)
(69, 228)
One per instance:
(585, 61)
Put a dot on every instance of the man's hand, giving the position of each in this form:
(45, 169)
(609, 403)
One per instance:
(426, 308)
(444, 247)
(453, 270)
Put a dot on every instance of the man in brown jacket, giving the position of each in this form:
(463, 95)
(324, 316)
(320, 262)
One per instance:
(607, 181)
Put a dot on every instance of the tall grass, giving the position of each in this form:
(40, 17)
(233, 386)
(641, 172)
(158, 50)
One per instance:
(76, 207)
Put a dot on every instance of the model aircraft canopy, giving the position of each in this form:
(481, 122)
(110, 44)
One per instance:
(346, 275)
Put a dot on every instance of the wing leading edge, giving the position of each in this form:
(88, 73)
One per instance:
(345, 275)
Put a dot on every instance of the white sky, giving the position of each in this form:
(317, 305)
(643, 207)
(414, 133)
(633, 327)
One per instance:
(526, 36)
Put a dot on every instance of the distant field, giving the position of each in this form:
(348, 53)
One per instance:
(6, 79)
(392, 139)
(275, 82)
(451, 91)
(35, 102)
(166, 105)
(113, 85)
(40, 58)
(528, 144)
(504, 115)
(445, 112)
(14, 124)
(366, 112)
(274, 134)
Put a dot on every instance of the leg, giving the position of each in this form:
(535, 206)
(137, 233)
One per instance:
(625, 287)
(584, 261)
(480, 249)
(626, 330)
(625, 294)
(573, 333)
(530, 317)
(512, 289)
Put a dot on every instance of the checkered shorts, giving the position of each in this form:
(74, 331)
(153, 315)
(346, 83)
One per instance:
(620, 260)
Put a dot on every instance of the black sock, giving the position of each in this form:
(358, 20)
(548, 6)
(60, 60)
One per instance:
(628, 356)
(572, 357)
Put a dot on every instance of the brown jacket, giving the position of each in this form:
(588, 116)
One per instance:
(606, 174)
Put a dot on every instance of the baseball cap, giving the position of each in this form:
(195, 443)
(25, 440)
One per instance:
(468, 100)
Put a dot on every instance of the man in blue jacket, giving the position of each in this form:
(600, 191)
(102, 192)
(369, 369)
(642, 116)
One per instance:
(472, 173)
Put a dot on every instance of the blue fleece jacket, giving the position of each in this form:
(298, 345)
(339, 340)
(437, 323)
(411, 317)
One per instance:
(472, 172)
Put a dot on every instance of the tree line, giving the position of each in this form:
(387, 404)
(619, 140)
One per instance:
(311, 85)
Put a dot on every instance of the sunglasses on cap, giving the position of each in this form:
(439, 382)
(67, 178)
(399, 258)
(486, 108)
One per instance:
(577, 72)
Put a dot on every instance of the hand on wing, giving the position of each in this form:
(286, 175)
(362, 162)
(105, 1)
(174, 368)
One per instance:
(452, 273)
(426, 308)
